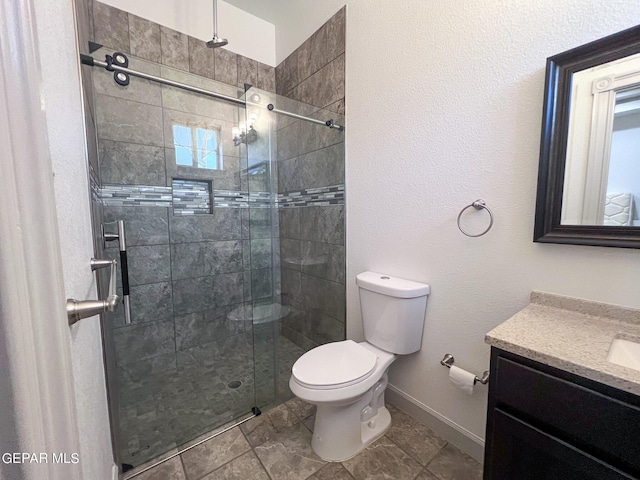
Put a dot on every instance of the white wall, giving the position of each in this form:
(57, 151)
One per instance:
(446, 111)
(248, 35)
(63, 108)
(297, 21)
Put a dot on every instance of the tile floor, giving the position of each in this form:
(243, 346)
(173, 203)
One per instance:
(277, 446)
(160, 412)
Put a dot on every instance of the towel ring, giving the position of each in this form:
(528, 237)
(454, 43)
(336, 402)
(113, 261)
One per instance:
(478, 205)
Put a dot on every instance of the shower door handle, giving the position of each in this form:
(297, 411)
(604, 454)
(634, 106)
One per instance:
(124, 269)
(77, 309)
(124, 266)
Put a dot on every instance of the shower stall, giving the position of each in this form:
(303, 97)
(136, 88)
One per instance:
(232, 204)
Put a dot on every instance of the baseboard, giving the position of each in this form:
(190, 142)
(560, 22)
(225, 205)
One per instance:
(114, 472)
(453, 433)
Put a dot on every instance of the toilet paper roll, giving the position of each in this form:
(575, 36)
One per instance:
(462, 379)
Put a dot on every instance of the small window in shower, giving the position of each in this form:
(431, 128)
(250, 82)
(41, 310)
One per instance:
(197, 146)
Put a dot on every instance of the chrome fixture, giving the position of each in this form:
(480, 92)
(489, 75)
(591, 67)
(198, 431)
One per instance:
(124, 265)
(77, 310)
(92, 62)
(120, 60)
(328, 123)
(241, 135)
(112, 67)
(216, 42)
(448, 360)
(478, 205)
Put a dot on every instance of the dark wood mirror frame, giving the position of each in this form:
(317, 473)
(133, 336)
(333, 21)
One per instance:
(553, 144)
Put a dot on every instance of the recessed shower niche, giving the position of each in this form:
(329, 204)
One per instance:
(191, 197)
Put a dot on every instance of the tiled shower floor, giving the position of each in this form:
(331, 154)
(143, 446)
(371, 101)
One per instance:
(161, 412)
(277, 446)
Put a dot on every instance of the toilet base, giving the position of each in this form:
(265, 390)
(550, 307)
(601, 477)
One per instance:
(376, 427)
(339, 434)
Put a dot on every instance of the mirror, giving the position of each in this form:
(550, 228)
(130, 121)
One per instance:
(589, 173)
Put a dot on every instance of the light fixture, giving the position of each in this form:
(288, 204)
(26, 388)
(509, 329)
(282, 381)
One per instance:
(216, 41)
(242, 135)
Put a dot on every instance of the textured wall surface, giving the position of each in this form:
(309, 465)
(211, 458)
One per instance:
(152, 41)
(310, 156)
(314, 72)
(296, 20)
(180, 265)
(269, 33)
(446, 111)
(248, 35)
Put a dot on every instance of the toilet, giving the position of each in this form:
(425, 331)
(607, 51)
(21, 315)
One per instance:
(347, 380)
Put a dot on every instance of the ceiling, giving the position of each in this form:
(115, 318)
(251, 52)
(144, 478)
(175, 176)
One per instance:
(268, 10)
(294, 20)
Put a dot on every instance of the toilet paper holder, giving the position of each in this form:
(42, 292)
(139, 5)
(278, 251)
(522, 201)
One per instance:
(448, 360)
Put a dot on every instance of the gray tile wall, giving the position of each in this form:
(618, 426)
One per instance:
(128, 33)
(311, 157)
(314, 72)
(194, 278)
(188, 274)
(85, 32)
(203, 269)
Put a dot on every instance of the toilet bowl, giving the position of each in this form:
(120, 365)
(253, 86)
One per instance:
(347, 380)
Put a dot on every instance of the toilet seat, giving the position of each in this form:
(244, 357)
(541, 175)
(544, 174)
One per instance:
(334, 365)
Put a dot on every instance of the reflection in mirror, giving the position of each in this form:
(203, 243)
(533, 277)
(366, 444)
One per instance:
(589, 175)
(602, 180)
(623, 185)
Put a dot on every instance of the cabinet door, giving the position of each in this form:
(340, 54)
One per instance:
(522, 452)
(579, 414)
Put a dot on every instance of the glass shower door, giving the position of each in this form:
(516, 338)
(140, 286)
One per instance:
(265, 311)
(235, 237)
(170, 169)
(295, 179)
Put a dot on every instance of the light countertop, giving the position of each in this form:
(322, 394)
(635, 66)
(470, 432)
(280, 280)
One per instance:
(573, 335)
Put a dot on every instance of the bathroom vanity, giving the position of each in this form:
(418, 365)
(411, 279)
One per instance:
(558, 408)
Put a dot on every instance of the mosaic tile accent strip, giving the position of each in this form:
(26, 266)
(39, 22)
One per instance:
(94, 185)
(316, 197)
(191, 197)
(238, 199)
(136, 195)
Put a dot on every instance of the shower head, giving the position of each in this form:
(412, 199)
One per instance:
(217, 42)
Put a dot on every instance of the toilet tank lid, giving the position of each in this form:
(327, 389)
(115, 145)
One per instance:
(392, 286)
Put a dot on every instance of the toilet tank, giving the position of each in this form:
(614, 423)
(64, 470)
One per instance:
(393, 311)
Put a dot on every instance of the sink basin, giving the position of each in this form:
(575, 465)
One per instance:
(625, 353)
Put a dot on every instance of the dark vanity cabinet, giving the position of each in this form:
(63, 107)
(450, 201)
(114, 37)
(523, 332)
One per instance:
(547, 424)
